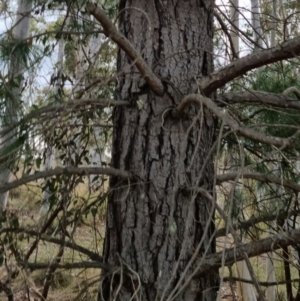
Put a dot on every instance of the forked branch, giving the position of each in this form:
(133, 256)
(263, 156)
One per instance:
(232, 123)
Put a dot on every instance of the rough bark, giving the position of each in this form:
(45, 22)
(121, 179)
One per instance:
(155, 223)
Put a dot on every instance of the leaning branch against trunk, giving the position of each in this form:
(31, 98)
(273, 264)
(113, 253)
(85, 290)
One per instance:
(111, 32)
(231, 122)
(219, 78)
(257, 97)
(260, 177)
(58, 171)
(232, 255)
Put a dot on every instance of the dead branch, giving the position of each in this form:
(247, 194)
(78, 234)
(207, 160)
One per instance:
(219, 78)
(80, 171)
(266, 98)
(232, 123)
(66, 266)
(260, 177)
(225, 29)
(292, 90)
(242, 34)
(258, 219)
(69, 244)
(252, 249)
(111, 32)
(262, 283)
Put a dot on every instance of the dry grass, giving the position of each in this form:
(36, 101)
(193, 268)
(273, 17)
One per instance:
(66, 285)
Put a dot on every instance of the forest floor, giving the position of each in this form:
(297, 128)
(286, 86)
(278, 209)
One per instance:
(76, 284)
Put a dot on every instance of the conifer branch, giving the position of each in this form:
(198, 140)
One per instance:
(219, 78)
(49, 111)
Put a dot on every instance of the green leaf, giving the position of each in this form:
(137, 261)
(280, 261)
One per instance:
(38, 162)
(94, 211)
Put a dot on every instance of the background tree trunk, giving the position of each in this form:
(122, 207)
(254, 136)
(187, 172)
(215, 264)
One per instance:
(16, 70)
(256, 26)
(158, 221)
(234, 17)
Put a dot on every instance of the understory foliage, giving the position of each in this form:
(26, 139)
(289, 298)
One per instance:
(66, 96)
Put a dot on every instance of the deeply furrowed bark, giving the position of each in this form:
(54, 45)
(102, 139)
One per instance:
(157, 221)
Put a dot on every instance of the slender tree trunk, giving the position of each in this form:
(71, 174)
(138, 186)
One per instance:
(50, 160)
(245, 290)
(155, 223)
(257, 30)
(274, 23)
(234, 16)
(287, 271)
(271, 276)
(13, 103)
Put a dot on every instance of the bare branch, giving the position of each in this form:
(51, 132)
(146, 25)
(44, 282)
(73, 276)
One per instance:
(244, 36)
(262, 283)
(110, 31)
(219, 78)
(252, 249)
(292, 90)
(225, 29)
(67, 266)
(260, 177)
(232, 123)
(272, 99)
(69, 244)
(259, 219)
(81, 171)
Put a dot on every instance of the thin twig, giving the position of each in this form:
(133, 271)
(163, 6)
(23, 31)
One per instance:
(58, 171)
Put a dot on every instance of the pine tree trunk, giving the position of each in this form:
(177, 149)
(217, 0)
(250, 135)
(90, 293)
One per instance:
(158, 220)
